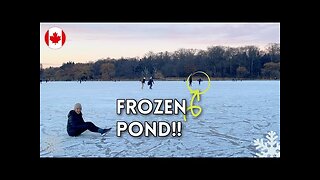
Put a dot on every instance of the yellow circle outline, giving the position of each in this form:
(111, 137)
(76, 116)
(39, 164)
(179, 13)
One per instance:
(198, 72)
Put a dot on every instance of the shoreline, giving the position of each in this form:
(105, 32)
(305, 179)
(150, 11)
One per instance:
(172, 79)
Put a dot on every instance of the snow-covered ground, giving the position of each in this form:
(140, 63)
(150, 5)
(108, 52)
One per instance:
(234, 113)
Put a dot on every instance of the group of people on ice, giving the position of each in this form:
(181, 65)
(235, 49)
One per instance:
(150, 82)
(190, 81)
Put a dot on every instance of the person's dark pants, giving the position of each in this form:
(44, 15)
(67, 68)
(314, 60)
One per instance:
(76, 131)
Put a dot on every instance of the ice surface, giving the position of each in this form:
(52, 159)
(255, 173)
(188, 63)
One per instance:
(234, 114)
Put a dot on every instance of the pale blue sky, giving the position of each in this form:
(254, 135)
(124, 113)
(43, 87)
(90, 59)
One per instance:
(92, 41)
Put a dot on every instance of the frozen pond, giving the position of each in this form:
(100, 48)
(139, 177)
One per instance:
(234, 113)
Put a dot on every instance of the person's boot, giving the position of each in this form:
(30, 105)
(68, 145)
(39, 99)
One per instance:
(104, 131)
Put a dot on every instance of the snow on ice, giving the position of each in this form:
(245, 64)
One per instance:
(234, 114)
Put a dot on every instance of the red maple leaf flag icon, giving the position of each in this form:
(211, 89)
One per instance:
(55, 38)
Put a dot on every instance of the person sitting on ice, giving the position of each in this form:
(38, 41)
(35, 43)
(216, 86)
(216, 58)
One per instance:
(76, 124)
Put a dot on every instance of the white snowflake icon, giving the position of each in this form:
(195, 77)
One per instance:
(270, 148)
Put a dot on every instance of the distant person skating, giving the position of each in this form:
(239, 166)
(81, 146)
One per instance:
(76, 124)
(199, 80)
(150, 83)
(143, 81)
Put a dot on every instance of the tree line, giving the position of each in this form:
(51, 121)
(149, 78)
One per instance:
(216, 61)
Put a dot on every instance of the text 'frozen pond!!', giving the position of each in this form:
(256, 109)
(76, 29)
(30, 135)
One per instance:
(234, 114)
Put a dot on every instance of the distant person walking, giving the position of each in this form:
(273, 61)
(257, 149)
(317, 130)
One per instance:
(199, 80)
(150, 83)
(143, 81)
(76, 124)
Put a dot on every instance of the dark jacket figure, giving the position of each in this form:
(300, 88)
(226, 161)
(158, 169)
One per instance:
(76, 124)
(199, 80)
(143, 81)
(150, 82)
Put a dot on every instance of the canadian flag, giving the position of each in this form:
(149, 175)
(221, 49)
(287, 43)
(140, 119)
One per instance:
(55, 38)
